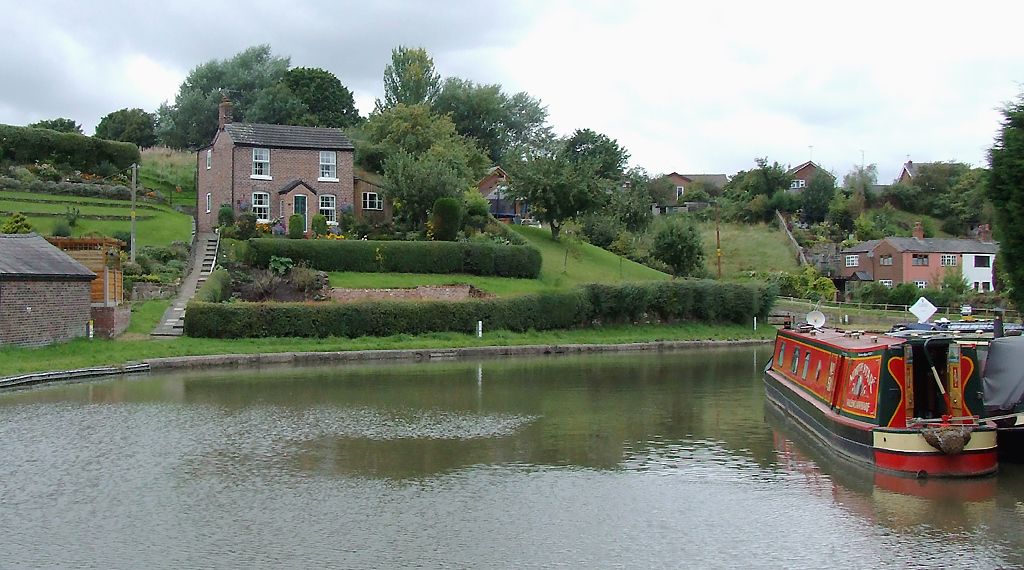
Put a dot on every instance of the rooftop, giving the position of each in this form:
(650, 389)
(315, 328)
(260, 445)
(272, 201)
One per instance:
(30, 256)
(288, 136)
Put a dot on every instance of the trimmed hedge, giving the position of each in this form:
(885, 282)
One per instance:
(592, 305)
(474, 258)
(217, 287)
(25, 145)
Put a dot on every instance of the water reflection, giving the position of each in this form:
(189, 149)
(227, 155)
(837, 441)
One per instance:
(637, 460)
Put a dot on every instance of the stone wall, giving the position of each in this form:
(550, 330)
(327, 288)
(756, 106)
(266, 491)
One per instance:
(147, 291)
(37, 313)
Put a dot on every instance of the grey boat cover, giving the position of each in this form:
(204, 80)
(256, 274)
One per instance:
(1003, 379)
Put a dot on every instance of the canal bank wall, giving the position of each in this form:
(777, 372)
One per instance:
(303, 358)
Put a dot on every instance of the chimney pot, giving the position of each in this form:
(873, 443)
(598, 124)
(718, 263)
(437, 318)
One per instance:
(224, 112)
(918, 230)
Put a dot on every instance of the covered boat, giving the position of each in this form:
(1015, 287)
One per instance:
(908, 405)
(1003, 386)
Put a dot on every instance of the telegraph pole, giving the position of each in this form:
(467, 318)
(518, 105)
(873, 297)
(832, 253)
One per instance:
(135, 172)
(718, 243)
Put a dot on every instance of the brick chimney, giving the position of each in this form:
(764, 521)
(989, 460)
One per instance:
(918, 230)
(985, 233)
(223, 112)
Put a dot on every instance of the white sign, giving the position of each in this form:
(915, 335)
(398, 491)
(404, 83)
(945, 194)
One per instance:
(923, 310)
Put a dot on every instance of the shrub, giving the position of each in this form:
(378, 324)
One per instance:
(16, 224)
(446, 218)
(225, 215)
(681, 300)
(71, 214)
(61, 228)
(26, 145)
(246, 225)
(217, 287)
(476, 258)
(319, 225)
(296, 226)
(678, 244)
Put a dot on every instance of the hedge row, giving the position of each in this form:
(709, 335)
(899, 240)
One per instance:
(216, 289)
(88, 190)
(474, 258)
(25, 145)
(592, 305)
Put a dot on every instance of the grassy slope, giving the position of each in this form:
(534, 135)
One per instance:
(168, 170)
(747, 248)
(162, 226)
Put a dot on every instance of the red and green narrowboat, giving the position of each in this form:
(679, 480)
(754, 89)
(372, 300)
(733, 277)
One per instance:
(905, 405)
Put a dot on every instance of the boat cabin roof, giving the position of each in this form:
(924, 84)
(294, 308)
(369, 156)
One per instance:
(846, 341)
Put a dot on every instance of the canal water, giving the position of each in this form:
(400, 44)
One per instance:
(601, 461)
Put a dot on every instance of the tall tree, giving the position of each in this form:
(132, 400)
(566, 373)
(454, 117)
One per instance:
(414, 184)
(328, 102)
(277, 105)
(192, 120)
(128, 125)
(60, 125)
(409, 78)
(1006, 190)
(605, 153)
(815, 199)
(558, 188)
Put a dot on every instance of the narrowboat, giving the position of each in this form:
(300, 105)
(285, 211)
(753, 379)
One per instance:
(1002, 363)
(906, 405)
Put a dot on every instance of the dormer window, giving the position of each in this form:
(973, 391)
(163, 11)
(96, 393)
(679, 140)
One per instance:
(328, 166)
(261, 163)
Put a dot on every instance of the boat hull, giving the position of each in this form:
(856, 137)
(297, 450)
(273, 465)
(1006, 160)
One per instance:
(898, 451)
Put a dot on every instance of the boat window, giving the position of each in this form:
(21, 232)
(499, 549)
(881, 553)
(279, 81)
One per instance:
(782, 354)
(807, 364)
(796, 358)
(817, 373)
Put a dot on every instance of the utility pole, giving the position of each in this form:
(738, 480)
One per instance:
(718, 243)
(135, 172)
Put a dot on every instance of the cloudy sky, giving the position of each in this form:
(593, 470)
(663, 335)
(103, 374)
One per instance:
(684, 87)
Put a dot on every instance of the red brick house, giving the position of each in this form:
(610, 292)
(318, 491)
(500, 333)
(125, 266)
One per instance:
(802, 175)
(273, 170)
(921, 261)
(44, 293)
(682, 181)
(494, 187)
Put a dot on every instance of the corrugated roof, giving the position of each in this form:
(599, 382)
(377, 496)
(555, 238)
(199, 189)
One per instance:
(288, 136)
(942, 245)
(29, 255)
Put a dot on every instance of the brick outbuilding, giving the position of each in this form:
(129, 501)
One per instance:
(44, 293)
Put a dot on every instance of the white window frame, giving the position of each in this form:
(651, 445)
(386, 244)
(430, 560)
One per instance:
(209, 202)
(920, 259)
(921, 284)
(328, 166)
(680, 190)
(329, 207)
(258, 159)
(375, 203)
(948, 260)
(261, 205)
(798, 183)
(885, 282)
(853, 261)
(885, 260)
(209, 158)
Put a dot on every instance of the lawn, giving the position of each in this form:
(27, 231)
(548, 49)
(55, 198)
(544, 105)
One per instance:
(494, 285)
(747, 248)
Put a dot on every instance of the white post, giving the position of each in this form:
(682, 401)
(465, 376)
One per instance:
(479, 329)
(755, 324)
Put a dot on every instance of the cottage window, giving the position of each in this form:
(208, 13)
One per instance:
(261, 206)
(328, 166)
(680, 190)
(885, 282)
(328, 207)
(852, 260)
(261, 163)
(209, 158)
(921, 284)
(209, 202)
(986, 286)
(796, 359)
(919, 259)
(948, 260)
(885, 260)
(797, 184)
(982, 261)
(372, 201)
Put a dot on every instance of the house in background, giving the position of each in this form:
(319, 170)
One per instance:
(713, 182)
(802, 175)
(274, 171)
(44, 293)
(370, 205)
(909, 171)
(494, 187)
(922, 261)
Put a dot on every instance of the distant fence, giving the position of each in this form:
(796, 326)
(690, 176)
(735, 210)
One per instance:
(800, 257)
(948, 312)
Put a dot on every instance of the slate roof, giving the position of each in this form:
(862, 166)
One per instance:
(715, 180)
(29, 256)
(862, 247)
(287, 136)
(928, 245)
(800, 167)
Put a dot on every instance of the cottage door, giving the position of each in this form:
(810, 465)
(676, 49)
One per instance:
(299, 207)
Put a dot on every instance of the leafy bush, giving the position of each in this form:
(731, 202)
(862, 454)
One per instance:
(280, 265)
(26, 145)
(61, 228)
(246, 224)
(446, 218)
(225, 215)
(16, 224)
(682, 300)
(678, 244)
(296, 226)
(476, 258)
(601, 229)
(318, 224)
(217, 287)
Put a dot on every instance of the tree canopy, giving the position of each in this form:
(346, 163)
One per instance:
(608, 158)
(815, 199)
(328, 102)
(1006, 190)
(415, 183)
(557, 188)
(128, 125)
(678, 244)
(61, 125)
(409, 79)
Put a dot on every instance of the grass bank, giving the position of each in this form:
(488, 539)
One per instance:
(755, 247)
